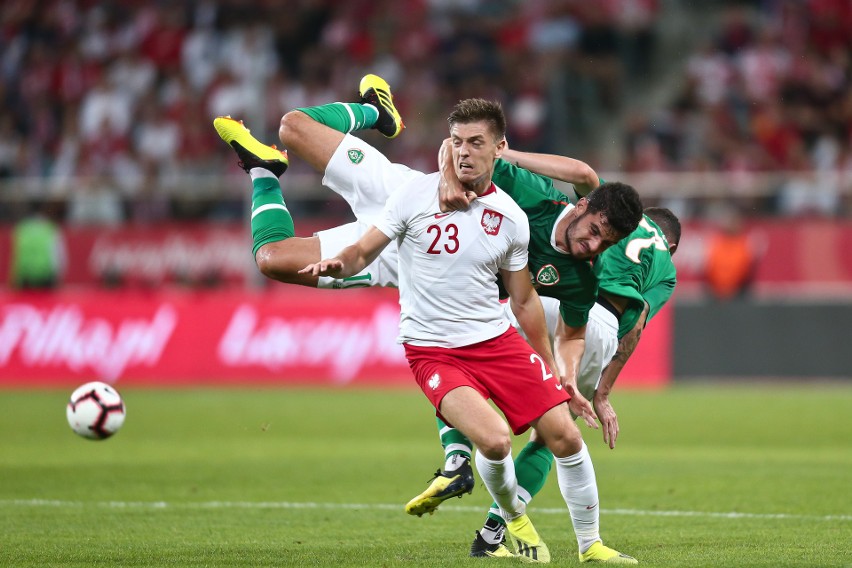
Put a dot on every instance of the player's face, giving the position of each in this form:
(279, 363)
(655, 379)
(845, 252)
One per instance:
(474, 152)
(588, 235)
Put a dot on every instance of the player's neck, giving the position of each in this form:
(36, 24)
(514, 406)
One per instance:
(480, 187)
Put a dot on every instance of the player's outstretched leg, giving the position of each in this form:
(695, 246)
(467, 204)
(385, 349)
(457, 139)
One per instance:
(375, 91)
(314, 133)
(443, 486)
(278, 253)
(529, 546)
(251, 152)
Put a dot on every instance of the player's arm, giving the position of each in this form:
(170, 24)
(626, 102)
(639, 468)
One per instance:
(654, 299)
(353, 259)
(568, 346)
(626, 346)
(526, 305)
(563, 168)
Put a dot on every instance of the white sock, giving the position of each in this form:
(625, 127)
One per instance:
(576, 476)
(258, 173)
(499, 478)
(454, 462)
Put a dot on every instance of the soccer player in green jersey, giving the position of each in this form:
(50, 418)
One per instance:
(364, 177)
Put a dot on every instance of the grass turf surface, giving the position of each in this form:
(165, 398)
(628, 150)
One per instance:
(701, 476)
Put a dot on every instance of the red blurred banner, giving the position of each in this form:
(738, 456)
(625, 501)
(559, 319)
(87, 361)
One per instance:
(791, 251)
(221, 254)
(285, 336)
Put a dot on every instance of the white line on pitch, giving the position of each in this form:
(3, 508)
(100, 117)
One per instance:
(387, 507)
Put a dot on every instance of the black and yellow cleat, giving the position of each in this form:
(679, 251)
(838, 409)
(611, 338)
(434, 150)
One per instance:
(376, 91)
(442, 487)
(251, 152)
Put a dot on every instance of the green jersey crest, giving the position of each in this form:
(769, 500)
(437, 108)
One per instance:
(547, 275)
(355, 155)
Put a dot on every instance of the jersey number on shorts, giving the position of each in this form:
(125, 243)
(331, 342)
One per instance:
(445, 238)
(545, 372)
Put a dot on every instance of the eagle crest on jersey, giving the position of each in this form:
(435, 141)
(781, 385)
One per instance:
(547, 275)
(491, 221)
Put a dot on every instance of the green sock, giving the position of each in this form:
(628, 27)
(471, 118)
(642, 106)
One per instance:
(344, 117)
(532, 465)
(270, 219)
(453, 441)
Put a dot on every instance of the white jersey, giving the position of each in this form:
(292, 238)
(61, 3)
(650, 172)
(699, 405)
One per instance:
(448, 263)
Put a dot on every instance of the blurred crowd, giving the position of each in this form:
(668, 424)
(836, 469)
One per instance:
(111, 103)
(107, 106)
(769, 91)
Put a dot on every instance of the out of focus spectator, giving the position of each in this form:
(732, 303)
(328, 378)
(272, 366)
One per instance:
(732, 256)
(95, 200)
(38, 256)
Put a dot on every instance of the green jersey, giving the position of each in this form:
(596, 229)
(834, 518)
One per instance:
(556, 273)
(640, 268)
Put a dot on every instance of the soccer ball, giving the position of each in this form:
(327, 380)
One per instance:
(95, 411)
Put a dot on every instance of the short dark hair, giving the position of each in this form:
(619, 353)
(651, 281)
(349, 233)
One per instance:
(619, 203)
(667, 221)
(476, 110)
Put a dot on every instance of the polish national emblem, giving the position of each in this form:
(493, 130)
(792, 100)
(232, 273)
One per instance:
(355, 155)
(434, 381)
(491, 221)
(547, 275)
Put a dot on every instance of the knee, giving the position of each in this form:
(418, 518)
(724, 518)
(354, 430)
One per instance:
(264, 260)
(496, 446)
(565, 442)
(290, 125)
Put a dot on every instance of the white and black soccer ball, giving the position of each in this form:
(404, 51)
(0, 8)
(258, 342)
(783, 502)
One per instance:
(95, 411)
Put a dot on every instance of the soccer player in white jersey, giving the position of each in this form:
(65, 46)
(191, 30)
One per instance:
(363, 176)
(460, 346)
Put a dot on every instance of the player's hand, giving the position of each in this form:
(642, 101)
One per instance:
(608, 418)
(329, 267)
(581, 407)
(451, 197)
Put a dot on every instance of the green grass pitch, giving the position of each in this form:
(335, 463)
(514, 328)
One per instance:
(736, 476)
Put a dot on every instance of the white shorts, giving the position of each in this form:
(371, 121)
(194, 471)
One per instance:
(365, 178)
(601, 340)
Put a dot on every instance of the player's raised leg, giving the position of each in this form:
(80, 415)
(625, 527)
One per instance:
(314, 133)
(278, 252)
